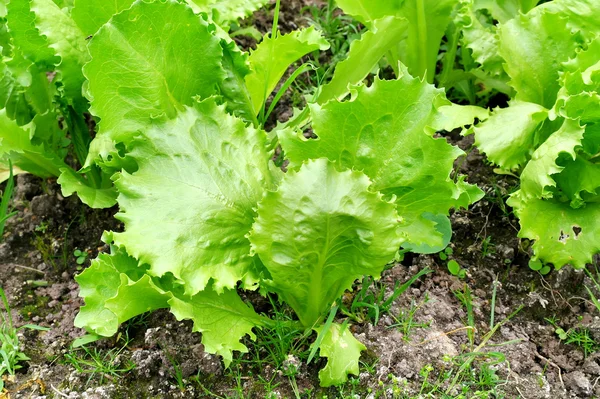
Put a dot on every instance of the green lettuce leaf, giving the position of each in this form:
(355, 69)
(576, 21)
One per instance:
(580, 181)
(481, 36)
(510, 135)
(579, 96)
(428, 20)
(233, 87)
(562, 235)
(223, 319)
(15, 143)
(537, 175)
(363, 56)
(101, 282)
(534, 47)
(505, 10)
(272, 58)
(385, 132)
(90, 15)
(15, 79)
(227, 11)
(342, 351)
(116, 288)
(26, 36)
(147, 63)
(321, 230)
(425, 22)
(580, 15)
(72, 182)
(68, 43)
(368, 11)
(191, 203)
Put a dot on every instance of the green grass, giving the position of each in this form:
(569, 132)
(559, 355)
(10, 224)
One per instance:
(405, 322)
(370, 303)
(578, 336)
(104, 364)
(11, 355)
(5, 211)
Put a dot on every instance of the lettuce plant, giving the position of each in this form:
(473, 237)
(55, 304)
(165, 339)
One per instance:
(44, 114)
(549, 132)
(461, 36)
(206, 211)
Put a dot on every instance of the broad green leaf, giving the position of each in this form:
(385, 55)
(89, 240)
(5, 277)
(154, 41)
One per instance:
(189, 207)
(562, 235)
(273, 56)
(534, 46)
(226, 11)
(385, 132)
(537, 175)
(451, 116)
(233, 87)
(99, 283)
(443, 227)
(580, 181)
(482, 38)
(428, 20)
(579, 15)
(505, 10)
(26, 37)
(90, 15)
(342, 351)
(508, 137)
(68, 42)
(223, 319)
(47, 131)
(579, 95)
(321, 230)
(15, 144)
(14, 80)
(134, 298)
(148, 62)
(591, 139)
(72, 182)
(363, 56)
(24, 89)
(368, 11)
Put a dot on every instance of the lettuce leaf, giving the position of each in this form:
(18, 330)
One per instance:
(272, 58)
(321, 230)
(203, 173)
(147, 63)
(385, 132)
(342, 351)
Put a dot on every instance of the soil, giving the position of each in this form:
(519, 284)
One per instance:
(37, 269)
